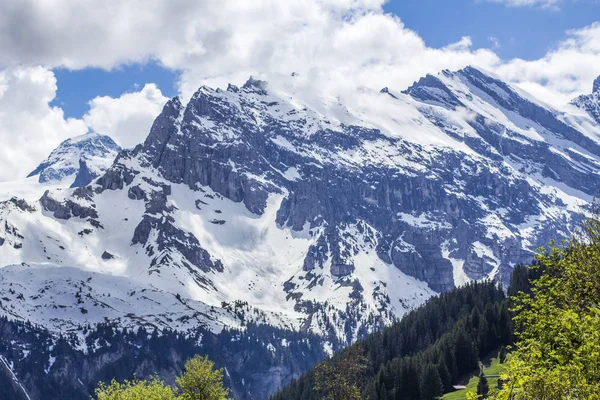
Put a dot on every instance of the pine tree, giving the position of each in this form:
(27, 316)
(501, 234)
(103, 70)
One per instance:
(431, 385)
(482, 387)
(502, 354)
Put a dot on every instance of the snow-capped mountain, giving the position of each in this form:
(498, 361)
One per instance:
(77, 161)
(590, 102)
(308, 211)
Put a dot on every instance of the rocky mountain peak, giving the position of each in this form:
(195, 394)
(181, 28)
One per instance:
(431, 89)
(590, 102)
(77, 161)
(256, 85)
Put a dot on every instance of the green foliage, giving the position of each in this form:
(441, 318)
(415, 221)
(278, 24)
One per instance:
(199, 381)
(341, 377)
(558, 350)
(153, 389)
(431, 384)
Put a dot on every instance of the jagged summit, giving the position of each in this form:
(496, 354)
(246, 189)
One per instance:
(431, 89)
(386, 90)
(590, 102)
(256, 85)
(77, 161)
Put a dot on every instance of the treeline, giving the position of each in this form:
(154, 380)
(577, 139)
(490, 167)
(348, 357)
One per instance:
(422, 355)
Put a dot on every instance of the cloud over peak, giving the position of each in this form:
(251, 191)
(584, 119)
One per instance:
(338, 45)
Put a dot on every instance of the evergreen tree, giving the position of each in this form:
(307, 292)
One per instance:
(423, 354)
(482, 387)
(431, 385)
(502, 354)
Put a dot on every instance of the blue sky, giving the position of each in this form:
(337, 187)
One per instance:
(523, 32)
(77, 87)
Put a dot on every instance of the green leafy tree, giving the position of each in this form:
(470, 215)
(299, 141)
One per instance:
(558, 325)
(153, 389)
(341, 377)
(201, 381)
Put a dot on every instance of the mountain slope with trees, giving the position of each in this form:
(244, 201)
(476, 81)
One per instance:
(421, 356)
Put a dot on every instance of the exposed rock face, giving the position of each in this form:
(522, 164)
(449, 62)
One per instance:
(67, 208)
(342, 215)
(78, 160)
(84, 175)
(590, 102)
(239, 141)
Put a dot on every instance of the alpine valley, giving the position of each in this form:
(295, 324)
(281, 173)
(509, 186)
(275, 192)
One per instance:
(270, 224)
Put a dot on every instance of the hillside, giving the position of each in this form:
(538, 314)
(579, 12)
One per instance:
(423, 356)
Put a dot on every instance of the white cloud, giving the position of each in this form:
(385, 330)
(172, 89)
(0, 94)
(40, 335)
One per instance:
(553, 4)
(338, 45)
(127, 119)
(334, 39)
(29, 127)
(564, 72)
(495, 42)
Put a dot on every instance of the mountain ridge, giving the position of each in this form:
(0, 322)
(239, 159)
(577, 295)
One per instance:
(331, 216)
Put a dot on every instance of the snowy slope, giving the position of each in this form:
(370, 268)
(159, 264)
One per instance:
(66, 298)
(305, 210)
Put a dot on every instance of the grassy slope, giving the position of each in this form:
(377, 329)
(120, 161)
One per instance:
(493, 368)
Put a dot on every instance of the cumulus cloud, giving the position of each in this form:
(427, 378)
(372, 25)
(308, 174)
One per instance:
(29, 127)
(565, 71)
(336, 45)
(342, 40)
(128, 118)
(339, 43)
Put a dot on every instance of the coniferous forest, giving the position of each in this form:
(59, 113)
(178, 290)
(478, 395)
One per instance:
(424, 354)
